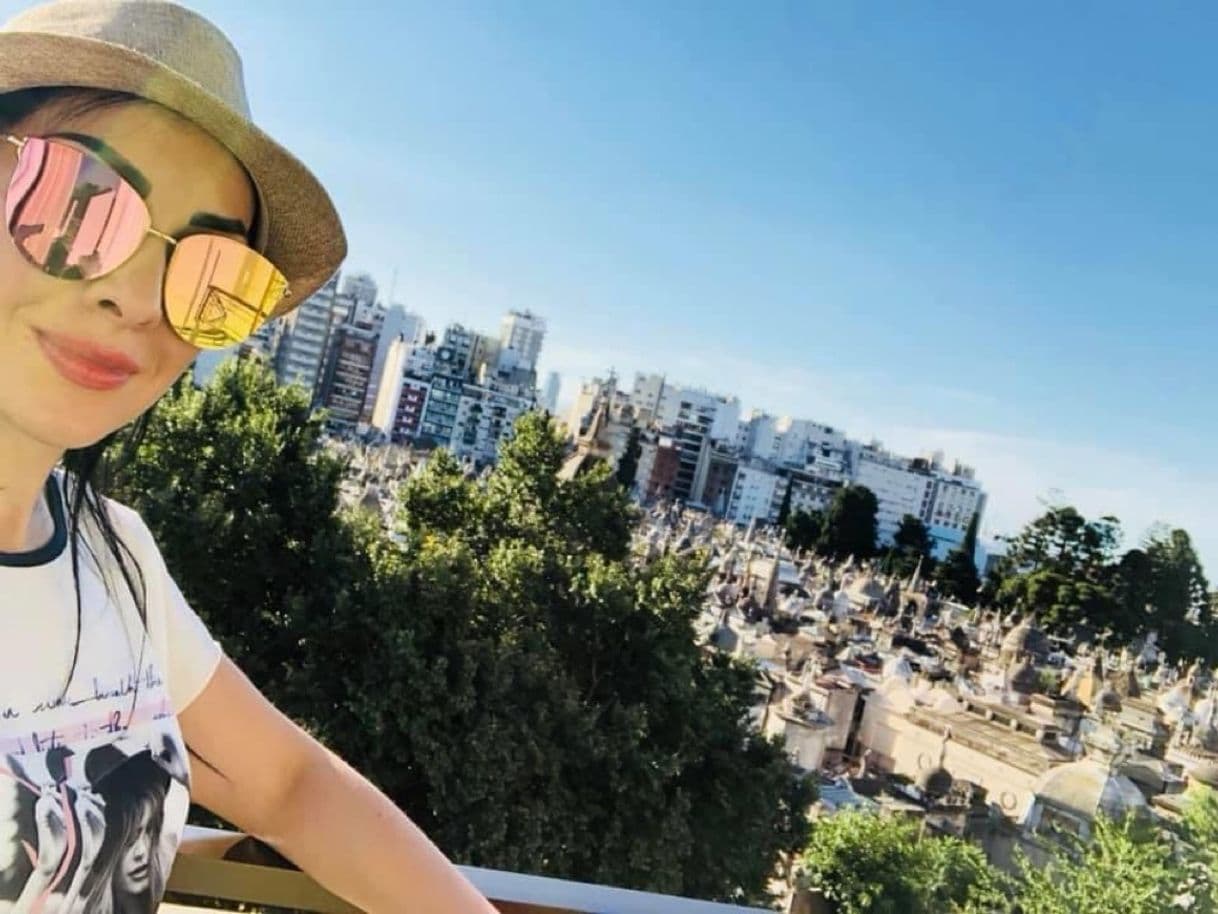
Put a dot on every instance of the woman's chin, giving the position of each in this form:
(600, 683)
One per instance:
(69, 434)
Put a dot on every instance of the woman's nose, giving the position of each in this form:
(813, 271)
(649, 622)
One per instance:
(133, 292)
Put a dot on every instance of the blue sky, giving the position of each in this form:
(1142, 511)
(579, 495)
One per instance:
(984, 228)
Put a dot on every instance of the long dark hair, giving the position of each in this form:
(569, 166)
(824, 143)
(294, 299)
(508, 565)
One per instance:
(88, 468)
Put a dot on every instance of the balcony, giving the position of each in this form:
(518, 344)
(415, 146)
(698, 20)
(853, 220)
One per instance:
(230, 867)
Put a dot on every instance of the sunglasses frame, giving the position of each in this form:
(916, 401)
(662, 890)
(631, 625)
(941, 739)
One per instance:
(20, 143)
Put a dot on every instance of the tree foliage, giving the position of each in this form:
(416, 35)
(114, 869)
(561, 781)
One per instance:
(866, 864)
(911, 545)
(531, 697)
(802, 529)
(1067, 570)
(1124, 866)
(958, 577)
(1179, 596)
(784, 510)
(1200, 831)
(628, 466)
(1063, 541)
(850, 523)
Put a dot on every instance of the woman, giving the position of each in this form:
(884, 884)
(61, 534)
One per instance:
(145, 219)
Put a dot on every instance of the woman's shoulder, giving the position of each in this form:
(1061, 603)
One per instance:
(127, 522)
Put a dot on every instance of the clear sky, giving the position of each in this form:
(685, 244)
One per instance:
(983, 228)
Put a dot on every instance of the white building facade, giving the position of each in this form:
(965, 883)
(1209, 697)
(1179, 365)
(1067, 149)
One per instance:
(523, 332)
(484, 419)
(757, 495)
(899, 489)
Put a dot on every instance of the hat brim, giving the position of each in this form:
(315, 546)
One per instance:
(300, 231)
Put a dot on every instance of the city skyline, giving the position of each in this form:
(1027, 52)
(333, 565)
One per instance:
(991, 535)
(980, 231)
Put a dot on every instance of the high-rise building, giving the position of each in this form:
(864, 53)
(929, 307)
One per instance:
(944, 500)
(659, 460)
(351, 356)
(301, 355)
(360, 287)
(404, 389)
(523, 332)
(645, 396)
(900, 487)
(485, 355)
(398, 322)
(957, 496)
(484, 418)
(663, 404)
(720, 481)
(788, 442)
(756, 495)
(452, 364)
(549, 394)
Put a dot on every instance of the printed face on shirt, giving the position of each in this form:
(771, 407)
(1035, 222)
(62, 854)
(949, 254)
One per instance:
(185, 173)
(135, 868)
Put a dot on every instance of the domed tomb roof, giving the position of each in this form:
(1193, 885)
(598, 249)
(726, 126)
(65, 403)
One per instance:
(1087, 788)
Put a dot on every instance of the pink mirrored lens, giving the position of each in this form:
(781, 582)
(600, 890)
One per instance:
(70, 213)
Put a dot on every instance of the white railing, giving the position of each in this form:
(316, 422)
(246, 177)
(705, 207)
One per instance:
(231, 867)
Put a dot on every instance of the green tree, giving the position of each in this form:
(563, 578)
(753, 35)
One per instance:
(1179, 597)
(995, 577)
(1061, 568)
(803, 528)
(911, 545)
(866, 864)
(958, 577)
(1125, 866)
(535, 700)
(1133, 588)
(850, 523)
(242, 500)
(1063, 541)
(628, 466)
(784, 510)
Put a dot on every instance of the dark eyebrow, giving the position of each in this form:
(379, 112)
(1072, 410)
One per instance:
(133, 175)
(143, 186)
(219, 224)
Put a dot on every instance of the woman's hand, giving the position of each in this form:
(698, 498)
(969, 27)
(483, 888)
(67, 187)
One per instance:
(51, 826)
(52, 830)
(90, 813)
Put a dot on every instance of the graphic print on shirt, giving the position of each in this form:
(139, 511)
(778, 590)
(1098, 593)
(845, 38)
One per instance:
(94, 792)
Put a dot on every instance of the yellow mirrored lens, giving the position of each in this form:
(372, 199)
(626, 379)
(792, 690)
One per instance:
(218, 291)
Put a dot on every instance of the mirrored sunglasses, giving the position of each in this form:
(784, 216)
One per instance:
(73, 216)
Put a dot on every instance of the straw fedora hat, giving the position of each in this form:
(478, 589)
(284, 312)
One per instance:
(170, 55)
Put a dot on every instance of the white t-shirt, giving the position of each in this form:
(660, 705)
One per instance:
(94, 781)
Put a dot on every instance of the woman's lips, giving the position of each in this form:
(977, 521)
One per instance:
(87, 364)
